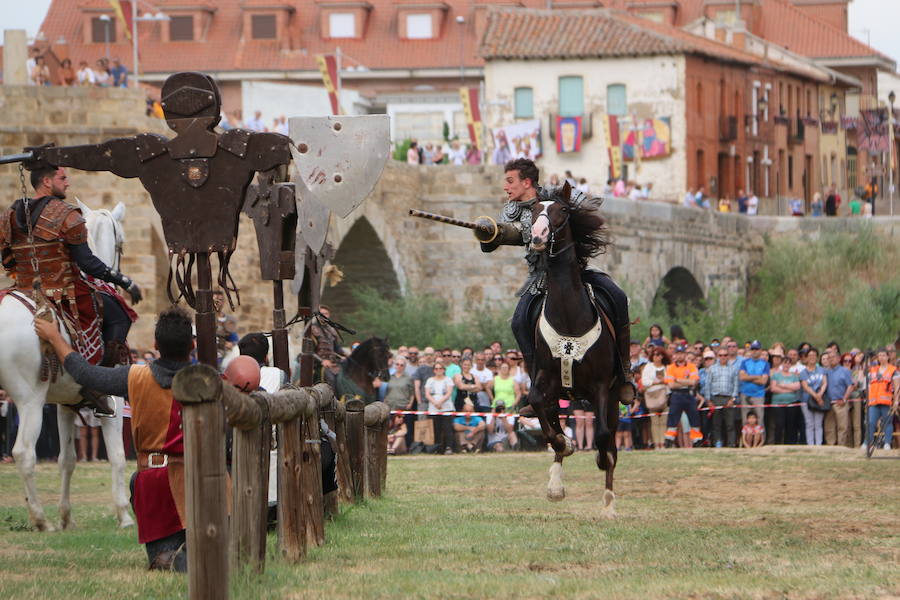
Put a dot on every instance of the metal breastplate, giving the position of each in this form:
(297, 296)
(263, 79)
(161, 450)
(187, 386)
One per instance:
(519, 214)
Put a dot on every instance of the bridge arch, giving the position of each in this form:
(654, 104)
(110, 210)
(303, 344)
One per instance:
(679, 290)
(365, 261)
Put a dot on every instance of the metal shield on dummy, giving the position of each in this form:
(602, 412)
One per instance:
(339, 159)
(314, 219)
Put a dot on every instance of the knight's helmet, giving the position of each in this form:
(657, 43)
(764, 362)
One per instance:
(190, 95)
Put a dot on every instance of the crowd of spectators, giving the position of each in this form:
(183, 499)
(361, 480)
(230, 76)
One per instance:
(453, 152)
(106, 72)
(716, 394)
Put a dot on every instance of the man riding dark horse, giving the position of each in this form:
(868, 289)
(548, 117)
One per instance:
(45, 238)
(522, 190)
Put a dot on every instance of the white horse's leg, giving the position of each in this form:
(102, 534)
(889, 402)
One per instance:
(609, 504)
(115, 453)
(556, 491)
(66, 419)
(30, 419)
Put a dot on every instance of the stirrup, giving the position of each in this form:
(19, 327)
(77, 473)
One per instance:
(104, 414)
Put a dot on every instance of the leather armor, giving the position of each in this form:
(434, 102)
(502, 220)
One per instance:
(58, 224)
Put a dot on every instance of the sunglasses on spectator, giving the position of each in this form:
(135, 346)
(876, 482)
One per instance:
(725, 354)
(446, 355)
(457, 355)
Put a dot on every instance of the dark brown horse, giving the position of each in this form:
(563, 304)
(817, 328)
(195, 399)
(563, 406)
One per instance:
(367, 362)
(572, 330)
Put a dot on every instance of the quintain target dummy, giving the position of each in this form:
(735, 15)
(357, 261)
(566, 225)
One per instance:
(197, 181)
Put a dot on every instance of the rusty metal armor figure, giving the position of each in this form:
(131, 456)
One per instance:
(196, 180)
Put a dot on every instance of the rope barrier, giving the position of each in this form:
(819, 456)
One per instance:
(455, 413)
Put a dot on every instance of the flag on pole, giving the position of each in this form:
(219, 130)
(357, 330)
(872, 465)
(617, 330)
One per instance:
(328, 68)
(122, 8)
(469, 98)
(612, 145)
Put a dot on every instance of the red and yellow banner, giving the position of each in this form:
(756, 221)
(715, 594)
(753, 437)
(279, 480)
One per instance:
(612, 145)
(328, 68)
(122, 8)
(469, 98)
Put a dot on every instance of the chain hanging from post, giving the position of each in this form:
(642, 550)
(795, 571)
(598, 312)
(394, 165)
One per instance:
(29, 231)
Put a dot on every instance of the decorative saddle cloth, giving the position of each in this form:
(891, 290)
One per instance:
(569, 348)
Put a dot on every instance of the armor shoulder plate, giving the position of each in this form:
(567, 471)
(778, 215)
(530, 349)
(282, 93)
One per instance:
(74, 228)
(150, 145)
(55, 219)
(235, 141)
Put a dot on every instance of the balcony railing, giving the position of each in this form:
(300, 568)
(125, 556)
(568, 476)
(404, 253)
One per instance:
(797, 131)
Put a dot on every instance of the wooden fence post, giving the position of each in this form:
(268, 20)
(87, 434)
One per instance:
(311, 477)
(250, 485)
(376, 415)
(199, 390)
(327, 408)
(344, 476)
(356, 446)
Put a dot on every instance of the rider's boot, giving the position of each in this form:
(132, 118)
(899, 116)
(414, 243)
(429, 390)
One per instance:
(627, 391)
(103, 405)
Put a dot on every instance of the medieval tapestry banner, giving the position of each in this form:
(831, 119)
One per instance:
(653, 137)
(568, 134)
(519, 140)
(872, 133)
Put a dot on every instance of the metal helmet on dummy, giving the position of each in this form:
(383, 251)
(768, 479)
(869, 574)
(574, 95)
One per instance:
(191, 95)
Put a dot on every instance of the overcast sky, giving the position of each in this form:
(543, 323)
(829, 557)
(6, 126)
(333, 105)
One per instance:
(872, 21)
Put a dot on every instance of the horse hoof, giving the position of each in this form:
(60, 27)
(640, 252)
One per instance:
(44, 526)
(67, 525)
(126, 521)
(556, 495)
(609, 504)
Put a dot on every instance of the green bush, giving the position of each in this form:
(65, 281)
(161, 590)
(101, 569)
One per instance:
(401, 149)
(841, 286)
(424, 320)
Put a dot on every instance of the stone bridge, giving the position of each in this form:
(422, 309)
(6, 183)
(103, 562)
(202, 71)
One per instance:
(686, 252)
(657, 247)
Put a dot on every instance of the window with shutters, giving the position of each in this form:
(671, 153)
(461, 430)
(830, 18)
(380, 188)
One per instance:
(263, 27)
(616, 100)
(341, 25)
(419, 26)
(524, 99)
(181, 28)
(571, 96)
(103, 30)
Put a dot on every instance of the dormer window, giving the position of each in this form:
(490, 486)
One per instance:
(103, 29)
(421, 20)
(263, 27)
(342, 25)
(181, 28)
(419, 26)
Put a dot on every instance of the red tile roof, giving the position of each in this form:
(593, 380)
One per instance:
(228, 48)
(788, 26)
(543, 34)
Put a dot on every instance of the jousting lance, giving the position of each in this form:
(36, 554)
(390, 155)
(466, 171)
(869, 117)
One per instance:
(485, 228)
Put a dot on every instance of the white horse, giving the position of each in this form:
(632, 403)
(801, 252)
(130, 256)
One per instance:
(20, 365)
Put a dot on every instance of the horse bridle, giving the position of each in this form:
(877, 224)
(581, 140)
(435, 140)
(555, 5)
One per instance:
(383, 374)
(552, 237)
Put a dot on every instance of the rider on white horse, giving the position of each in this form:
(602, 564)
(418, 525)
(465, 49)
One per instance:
(45, 239)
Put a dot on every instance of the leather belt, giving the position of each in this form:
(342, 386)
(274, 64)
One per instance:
(157, 460)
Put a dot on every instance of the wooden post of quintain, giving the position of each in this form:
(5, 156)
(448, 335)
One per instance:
(203, 422)
(356, 446)
(344, 474)
(376, 416)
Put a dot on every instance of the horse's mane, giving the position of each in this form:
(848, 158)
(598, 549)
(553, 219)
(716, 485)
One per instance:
(589, 230)
(365, 348)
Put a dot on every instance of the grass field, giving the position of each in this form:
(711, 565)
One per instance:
(775, 523)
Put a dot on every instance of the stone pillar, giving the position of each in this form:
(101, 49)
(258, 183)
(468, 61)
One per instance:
(15, 57)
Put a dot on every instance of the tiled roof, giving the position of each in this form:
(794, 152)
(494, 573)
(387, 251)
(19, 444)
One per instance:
(603, 33)
(228, 48)
(544, 34)
(790, 27)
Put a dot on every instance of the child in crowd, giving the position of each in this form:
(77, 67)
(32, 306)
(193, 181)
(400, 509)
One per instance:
(753, 434)
(624, 439)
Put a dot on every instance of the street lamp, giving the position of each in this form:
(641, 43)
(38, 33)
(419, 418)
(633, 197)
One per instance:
(891, 98)
(106, 20)
(461, 20)
(159, 16)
